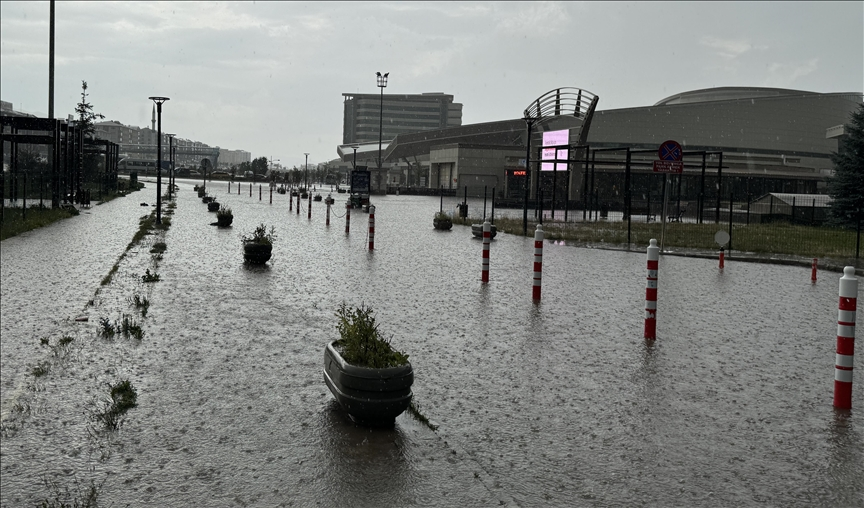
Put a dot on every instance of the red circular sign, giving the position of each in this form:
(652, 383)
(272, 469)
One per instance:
(670, 151)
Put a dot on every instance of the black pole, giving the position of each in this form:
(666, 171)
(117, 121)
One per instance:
(527, 178)
(441, 193)
(701, 199)
(493, 206)
(159, 165)
(731, 197)
(484, 202)
(627, 195)
(719, 188)
(51, 63)
(540, 198)
(858, 236)
(465, 202)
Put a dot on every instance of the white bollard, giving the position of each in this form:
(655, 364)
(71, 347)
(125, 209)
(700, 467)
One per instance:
(651, 291)
(847, 308)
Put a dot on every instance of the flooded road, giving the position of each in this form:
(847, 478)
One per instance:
(560, 403)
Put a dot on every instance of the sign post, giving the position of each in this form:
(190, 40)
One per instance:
(670, 154)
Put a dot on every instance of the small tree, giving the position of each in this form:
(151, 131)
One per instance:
(86, 122)
(86, 116)
(846, 187)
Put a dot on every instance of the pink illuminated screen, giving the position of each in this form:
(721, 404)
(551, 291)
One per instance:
(550, 154)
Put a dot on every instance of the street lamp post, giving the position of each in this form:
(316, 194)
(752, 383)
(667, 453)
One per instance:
(306, 181)
(382, 84)
(159, 101)
(354, 168)
(170, 163)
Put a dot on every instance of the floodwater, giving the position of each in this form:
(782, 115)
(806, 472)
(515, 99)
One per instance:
(557, 403)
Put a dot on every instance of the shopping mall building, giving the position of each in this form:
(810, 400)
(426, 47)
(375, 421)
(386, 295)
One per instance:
(761, 139)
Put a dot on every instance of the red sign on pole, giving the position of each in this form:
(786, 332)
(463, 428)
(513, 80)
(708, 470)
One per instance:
(668, 166)
(670, 154)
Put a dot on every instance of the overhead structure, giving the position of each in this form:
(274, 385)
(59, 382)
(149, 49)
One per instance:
(559, 109)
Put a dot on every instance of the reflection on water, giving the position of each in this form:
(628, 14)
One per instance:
(556, 403)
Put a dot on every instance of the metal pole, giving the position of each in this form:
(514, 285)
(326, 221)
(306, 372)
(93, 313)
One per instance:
(701, 200)
(627, 195)
(527, 179)
(667, 189)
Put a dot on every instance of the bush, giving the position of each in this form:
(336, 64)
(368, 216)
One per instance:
(361, 343)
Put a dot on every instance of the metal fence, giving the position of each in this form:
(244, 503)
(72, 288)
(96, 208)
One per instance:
(774, 223)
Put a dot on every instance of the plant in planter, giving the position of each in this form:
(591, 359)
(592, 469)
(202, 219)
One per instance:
(201, 191)
(258, 245)
(370, 380)
(213, 206)
(442, 221)
(224, 217)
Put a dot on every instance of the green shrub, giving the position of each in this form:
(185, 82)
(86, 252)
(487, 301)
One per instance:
(360, 341)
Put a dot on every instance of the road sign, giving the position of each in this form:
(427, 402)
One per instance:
(668, 166)
(670, 151)
(722, 238)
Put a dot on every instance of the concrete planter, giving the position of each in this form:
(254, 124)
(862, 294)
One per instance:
(442, 224)
(213, 206)
(257, 253)
(477, 231)
(369, 396)
(223, 221)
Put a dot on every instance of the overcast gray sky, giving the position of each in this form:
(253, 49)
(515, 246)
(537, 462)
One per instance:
(267, 77)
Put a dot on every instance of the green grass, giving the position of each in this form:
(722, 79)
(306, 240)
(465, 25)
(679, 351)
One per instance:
(36, 218)
(124, 397)
(150, 277)
(775, 238)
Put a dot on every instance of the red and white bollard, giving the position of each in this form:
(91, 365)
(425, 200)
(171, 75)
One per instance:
(250, 189)
(327, 223)
(229, 187)
(813, 272)
(651, 290)
(371, 227)
(290, 203)
(347, 217)
(259, 193)
(538, 262)
(722, 257)
(309, 214)
(238, 188)
(271, 195)
(487, 241)
(298, 203)
(845, 339)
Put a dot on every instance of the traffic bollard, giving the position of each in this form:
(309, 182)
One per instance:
(651, 291)
(845, 339)
(538, 262)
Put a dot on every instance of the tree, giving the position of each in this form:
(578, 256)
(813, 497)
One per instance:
(846, 187)
(86, 116)
(259, 166)
(86, 121)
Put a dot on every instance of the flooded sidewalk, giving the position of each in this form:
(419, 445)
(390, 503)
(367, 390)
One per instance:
(556, 403)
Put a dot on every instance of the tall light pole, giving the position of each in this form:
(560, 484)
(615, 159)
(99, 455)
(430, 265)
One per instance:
(159, 101)
(382, 84)
(170, 163)
(306, 184)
